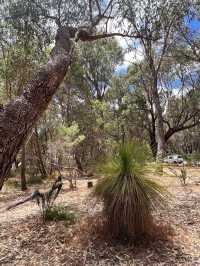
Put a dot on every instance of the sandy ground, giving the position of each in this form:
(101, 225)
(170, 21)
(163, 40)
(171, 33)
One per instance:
(25, 240)
(73, 198)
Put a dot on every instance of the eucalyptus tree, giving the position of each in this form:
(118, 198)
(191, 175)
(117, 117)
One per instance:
(154, 23)
(98, 62)
(69, 22)
(83, 95)
(124, 122)
(178, 94)
(20, 59)
(72, 21)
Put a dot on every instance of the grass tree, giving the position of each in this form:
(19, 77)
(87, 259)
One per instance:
(129, 196)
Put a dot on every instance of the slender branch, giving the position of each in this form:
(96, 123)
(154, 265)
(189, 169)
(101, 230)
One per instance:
(165, 43)
(83, 36)
(59, 12)
(98, 6)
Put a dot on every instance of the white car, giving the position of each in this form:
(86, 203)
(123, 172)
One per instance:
(174, 158)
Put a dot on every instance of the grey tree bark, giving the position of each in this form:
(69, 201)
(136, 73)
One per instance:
(161, 144)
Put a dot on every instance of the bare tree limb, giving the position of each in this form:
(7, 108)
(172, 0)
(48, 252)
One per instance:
(45, 200)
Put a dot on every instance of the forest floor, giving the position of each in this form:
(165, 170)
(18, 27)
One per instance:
(26, 240)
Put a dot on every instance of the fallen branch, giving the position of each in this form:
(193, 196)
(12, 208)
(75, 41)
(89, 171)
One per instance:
(44, 200)
(30, 198)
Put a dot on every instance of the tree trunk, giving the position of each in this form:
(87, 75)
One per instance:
(151, 128)
(18, 117)
(23, 168)
(16, 163)
(153, 144)
(78, 162)
(159, 123)
(39, 153)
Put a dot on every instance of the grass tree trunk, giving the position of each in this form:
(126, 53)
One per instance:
(23, 168)
(18, 117)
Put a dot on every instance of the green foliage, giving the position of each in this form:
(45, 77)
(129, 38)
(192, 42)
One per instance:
(13, 183)
(108, 106)
(101, 113)
(195, 156)
(69, 131)
(71, 135)
(60, 213)
(128, 194)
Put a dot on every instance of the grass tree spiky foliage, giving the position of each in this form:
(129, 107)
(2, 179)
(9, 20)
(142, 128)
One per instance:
(129, 196)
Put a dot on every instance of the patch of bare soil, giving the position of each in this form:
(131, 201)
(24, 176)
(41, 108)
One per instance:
(25, 240)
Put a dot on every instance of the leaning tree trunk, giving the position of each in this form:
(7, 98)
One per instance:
(18, 117)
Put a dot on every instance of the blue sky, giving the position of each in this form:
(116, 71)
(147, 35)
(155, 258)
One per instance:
(194, 26)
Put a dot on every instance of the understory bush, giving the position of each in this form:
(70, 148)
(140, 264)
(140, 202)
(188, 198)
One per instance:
(183, 175)
(34, 180)
(13, 183)
(60, 213)
(129, 196)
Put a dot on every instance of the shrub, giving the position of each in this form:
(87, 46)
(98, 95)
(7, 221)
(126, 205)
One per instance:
(60, 213)
(13, 183)
(183, 175)
(128, 195)
(34, 180)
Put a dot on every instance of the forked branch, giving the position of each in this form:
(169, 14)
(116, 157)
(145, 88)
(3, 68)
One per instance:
(44, 200)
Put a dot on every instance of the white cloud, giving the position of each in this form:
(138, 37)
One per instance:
(123, 42)
(132, 49)
(134, 56)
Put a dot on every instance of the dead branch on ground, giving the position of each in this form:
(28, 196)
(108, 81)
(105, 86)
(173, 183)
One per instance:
(44, 200)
